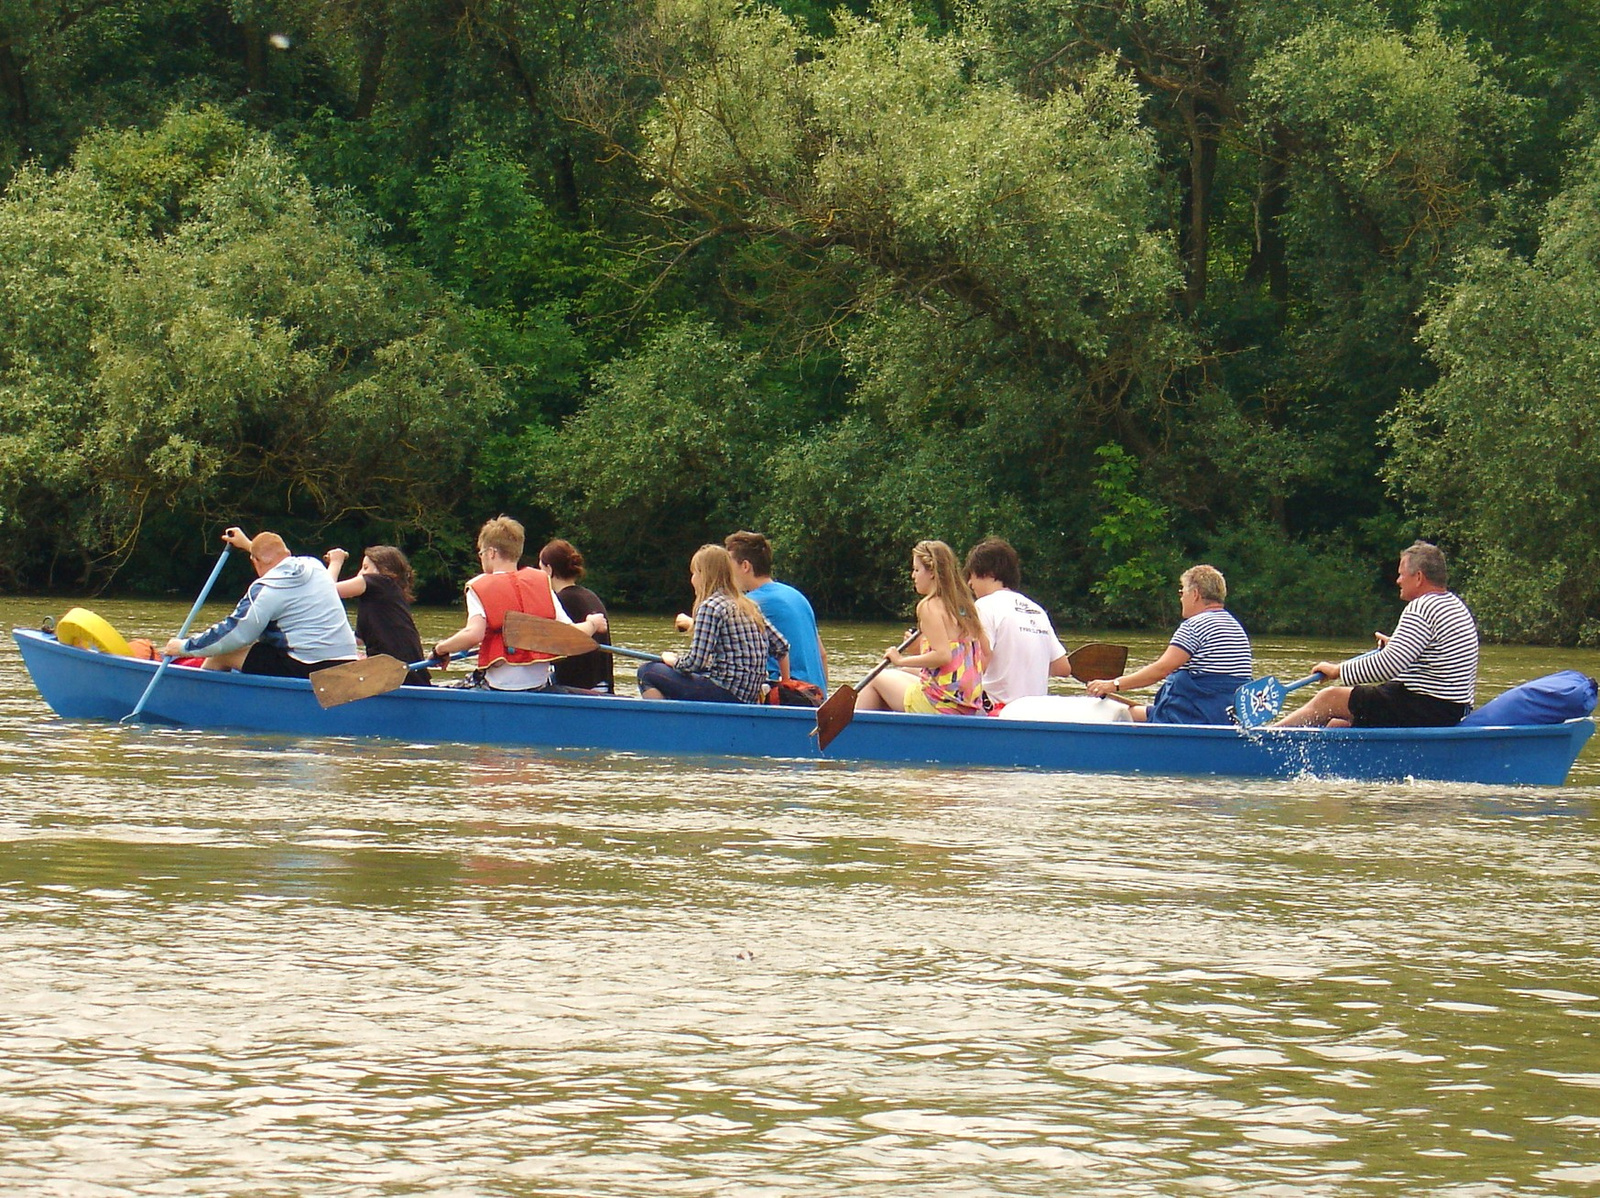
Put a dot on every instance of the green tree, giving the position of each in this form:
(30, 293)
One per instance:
(193, 334)
(661, 459)
(1131, 535)
(1499, 457)
(983, 261)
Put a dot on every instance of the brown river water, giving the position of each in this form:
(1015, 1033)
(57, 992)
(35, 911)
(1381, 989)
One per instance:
(274, 967)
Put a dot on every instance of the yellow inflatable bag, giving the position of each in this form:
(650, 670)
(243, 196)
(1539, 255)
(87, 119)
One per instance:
(83, 629)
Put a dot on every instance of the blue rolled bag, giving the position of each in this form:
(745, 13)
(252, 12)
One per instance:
(1557, 697)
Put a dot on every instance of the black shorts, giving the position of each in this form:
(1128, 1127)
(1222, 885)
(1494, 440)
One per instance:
(275, 662)
(1392, 705)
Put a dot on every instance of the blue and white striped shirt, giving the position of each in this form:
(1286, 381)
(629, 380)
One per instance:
(1432, 651)
(1216, 644)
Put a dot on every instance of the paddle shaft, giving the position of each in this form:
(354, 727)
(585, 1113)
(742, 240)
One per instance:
(1294, 686)
(205, 592)
(433, 663)
(884, 664)
(836, 712)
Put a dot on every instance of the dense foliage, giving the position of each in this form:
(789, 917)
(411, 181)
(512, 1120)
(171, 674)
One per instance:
(1134, 283)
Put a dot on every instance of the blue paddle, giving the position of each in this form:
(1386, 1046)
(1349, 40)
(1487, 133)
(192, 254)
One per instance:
(205, 591)
(1256, 703)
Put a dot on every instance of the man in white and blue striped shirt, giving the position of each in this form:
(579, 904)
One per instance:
(1422, 675)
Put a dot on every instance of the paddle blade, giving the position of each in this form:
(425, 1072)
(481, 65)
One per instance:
(534, 633)
(358, 679)
(1256, 703)
(1098, 660)
(835, 714)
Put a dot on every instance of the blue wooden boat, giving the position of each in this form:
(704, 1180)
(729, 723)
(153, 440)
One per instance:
(84, 684)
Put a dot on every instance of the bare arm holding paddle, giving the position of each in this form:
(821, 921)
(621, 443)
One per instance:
(350, 588)
(1175, 658)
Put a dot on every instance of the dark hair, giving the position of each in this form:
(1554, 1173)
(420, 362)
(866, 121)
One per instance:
(391, 563)
(1428, 561)
(753, 548)
(563, 559)
(994, 558)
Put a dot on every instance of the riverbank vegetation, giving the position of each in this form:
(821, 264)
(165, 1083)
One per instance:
(1133, 283)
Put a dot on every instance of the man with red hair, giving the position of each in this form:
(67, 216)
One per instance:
(290, 623)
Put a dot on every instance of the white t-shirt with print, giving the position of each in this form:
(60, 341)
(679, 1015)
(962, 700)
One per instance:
(1024, 644)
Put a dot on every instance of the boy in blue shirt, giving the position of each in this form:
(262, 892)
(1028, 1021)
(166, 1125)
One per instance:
(785, 608)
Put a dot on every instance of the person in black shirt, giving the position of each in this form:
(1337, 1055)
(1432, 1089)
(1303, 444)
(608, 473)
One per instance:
(589, 671)
(382, 591)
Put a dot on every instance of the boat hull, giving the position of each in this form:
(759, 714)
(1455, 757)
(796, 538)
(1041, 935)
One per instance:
(83, 684)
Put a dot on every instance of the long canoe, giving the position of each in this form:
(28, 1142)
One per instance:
(85, 684)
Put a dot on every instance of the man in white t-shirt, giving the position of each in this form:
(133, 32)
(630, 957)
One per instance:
(1026, 652)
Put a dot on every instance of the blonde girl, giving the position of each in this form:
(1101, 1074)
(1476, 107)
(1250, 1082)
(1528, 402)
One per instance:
(945, 675)
(727, 657)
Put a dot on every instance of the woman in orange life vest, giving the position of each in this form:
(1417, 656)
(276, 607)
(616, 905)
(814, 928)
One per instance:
(503, 587)
(948, 667)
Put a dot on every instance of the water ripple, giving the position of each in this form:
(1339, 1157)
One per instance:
(276, 967)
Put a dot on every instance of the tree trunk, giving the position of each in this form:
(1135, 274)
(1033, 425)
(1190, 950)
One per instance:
(1203, 124)
(14, 92)
(566, 179)
(255, 57)
(375, 45)
(1269, 256)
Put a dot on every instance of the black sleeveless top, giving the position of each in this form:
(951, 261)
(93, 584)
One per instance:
(384, 623)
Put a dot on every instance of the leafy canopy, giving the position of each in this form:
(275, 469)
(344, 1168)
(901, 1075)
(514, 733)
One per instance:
(191, 329)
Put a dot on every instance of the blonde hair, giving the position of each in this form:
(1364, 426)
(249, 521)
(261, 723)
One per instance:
(504, 535)
(1206, 582)
(712, 567)
(950, 588)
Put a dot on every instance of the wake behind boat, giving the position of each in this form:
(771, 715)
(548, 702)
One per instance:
(81, 683)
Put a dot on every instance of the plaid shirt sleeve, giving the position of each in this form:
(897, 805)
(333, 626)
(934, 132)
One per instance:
(702, 646)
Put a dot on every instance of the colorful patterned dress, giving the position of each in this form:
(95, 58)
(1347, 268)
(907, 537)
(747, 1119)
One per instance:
(957, 688)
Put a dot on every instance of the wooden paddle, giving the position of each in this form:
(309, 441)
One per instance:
(1259, 702)
(839, 708)
(525, 631)
(366, 677)
(1097, 660)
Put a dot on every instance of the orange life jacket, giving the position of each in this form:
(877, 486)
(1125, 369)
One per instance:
(527, 590)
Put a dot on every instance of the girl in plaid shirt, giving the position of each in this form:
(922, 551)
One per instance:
(727, 658)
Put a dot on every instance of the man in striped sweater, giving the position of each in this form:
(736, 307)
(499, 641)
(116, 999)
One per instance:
(1422, 675)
